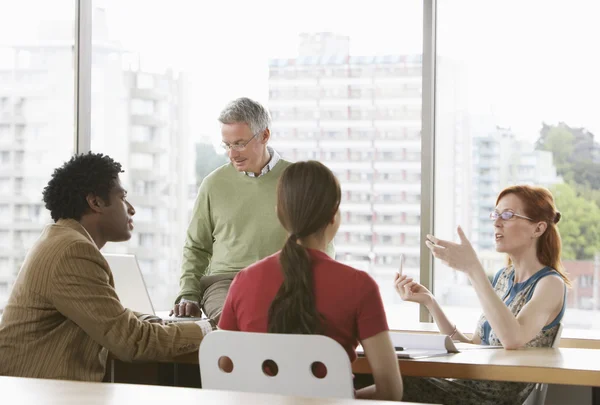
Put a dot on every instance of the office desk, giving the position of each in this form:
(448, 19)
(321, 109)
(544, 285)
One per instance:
(544, 365)
(551, 366)
(567, 366)
(55, 392)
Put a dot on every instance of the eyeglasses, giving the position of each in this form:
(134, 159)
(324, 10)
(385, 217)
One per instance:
(506, 216)
(238, 147)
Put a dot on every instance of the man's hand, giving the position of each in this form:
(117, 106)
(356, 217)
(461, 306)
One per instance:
(186, 308)
(150, 318)
(155, 319)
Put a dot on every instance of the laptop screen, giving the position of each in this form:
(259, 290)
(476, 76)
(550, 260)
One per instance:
(129, 283)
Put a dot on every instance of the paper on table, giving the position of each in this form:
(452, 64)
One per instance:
(469, 346)
(424, 341)
(418, 345)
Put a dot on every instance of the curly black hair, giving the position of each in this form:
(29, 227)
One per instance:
(84, 174)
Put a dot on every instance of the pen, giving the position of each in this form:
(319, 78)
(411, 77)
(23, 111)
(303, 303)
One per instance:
(398, 348)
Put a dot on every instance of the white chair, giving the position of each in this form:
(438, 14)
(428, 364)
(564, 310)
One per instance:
(538, 395)
(293, 355)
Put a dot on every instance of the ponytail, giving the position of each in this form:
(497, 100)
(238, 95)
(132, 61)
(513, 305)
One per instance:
(294, 308)
(308, 198)
(549, 251)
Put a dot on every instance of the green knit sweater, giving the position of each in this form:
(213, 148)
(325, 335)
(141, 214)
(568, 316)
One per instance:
(234, 224)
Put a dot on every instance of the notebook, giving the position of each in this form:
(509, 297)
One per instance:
(131, 288)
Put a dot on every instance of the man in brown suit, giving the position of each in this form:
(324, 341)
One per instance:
(63, 315)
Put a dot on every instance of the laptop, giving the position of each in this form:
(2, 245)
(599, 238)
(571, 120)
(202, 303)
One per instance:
(131, 288)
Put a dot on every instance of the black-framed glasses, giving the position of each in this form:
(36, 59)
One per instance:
(238, 147)
(506, 216)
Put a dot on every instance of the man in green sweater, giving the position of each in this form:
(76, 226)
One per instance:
(234, 223)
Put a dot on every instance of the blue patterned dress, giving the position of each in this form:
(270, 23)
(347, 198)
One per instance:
(452, 391)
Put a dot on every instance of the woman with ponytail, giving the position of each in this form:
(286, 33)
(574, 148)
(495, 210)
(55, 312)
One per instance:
(522, 307)
(301, 290)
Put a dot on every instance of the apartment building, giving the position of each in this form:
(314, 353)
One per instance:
(138, 118)
(361, 116)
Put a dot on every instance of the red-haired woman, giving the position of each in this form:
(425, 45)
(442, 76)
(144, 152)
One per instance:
(522, 307)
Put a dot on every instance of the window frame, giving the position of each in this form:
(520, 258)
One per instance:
(83, 92)
(82, 134)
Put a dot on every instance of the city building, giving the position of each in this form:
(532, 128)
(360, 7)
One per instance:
(361, 116)
(138, 118)
(584, 275)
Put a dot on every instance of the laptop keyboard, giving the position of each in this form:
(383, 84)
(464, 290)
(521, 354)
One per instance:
(173, 319)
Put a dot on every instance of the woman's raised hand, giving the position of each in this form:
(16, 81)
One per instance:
(410, 290)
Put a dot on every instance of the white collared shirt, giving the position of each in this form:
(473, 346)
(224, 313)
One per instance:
(269, 166)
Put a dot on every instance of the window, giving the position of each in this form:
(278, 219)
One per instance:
(518, 106)
(142, 107)
(144, 214)
(24, 239)
(144, 188)
(5, 132)
(145, 81)
(140, 133)
(350, 98)
(142, 161)
(139, 82)
(5, 186)
(27, 212)
(4, 157)
(36, 97)
(146, 240)
(5, 210)
(318, 87)
(5, 240)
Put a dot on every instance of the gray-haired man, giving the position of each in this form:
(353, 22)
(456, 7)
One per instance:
(234, 223)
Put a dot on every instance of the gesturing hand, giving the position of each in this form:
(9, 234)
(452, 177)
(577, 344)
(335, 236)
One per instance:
(460, 256)
(410, 290)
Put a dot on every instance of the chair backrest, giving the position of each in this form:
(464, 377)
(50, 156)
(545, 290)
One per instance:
(538, 395)
(293, 356)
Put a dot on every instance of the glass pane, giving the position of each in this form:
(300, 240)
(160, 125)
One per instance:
(517, 104)
(36, 120)
(346, 91)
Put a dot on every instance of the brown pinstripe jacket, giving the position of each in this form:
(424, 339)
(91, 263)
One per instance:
(63, 315)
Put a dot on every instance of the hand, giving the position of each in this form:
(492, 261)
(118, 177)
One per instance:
(460, 256)
(187, 308)
(155, 319)
(410, 290)
(150, 318)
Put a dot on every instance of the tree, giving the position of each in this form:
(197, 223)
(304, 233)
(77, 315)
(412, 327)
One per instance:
(579, 225)
(576, 156)
(588, 193)
(207, 160)
(568, 144)
(561, 142)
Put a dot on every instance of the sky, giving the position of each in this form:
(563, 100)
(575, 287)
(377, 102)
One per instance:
(521, 62)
